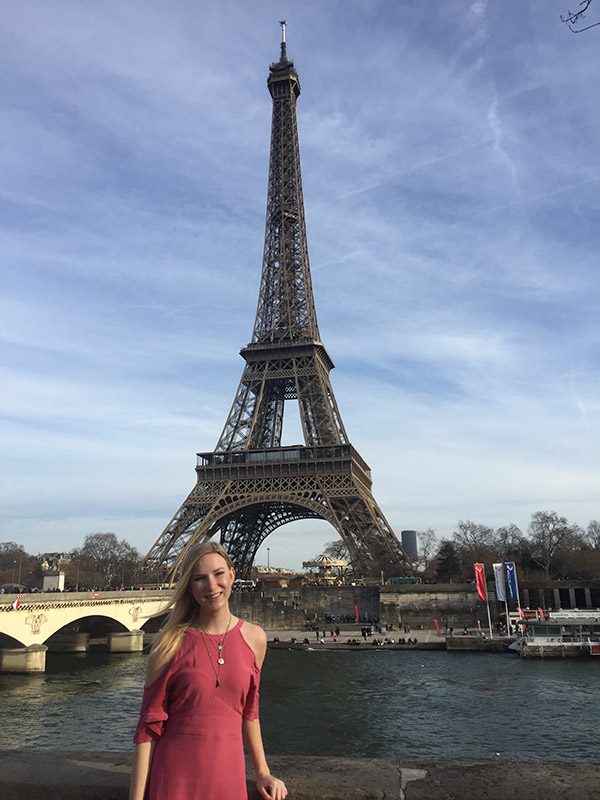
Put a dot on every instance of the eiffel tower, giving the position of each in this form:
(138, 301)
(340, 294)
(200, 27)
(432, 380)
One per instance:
(250, 484)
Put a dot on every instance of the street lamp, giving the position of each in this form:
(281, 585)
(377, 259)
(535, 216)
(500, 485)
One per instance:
(268, 558)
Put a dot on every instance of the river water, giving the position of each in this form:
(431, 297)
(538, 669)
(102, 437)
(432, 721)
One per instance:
(417, 704)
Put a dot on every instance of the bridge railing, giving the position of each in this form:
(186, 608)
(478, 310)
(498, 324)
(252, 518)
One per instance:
(60, 597)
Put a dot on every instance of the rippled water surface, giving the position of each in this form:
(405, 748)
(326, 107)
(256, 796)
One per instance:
(371, 704)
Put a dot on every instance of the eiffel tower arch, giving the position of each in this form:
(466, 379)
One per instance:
(250, 484)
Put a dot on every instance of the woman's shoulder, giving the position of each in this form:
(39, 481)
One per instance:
(157, 664)
(256, 638)
(253, 632)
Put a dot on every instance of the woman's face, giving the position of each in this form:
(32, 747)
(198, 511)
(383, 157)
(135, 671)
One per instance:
(211, 581)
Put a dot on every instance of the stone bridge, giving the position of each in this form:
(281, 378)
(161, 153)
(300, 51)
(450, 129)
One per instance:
(34, 623)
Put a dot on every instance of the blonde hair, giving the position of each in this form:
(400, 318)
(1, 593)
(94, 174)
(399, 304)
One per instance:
(183, 609)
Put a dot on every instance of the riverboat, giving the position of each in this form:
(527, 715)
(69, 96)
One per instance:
(560, 634)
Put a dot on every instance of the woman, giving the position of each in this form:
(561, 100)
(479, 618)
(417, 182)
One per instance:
(201, 694)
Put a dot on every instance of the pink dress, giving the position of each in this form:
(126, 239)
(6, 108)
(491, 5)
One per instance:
(199, 753)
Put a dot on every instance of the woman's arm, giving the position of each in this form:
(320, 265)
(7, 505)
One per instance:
(140, 770)
(142, 756)
(270, 788)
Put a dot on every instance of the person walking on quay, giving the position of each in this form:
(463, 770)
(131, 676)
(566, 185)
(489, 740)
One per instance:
(200, 703)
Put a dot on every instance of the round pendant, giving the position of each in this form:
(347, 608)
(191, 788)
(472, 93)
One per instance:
(220, 661)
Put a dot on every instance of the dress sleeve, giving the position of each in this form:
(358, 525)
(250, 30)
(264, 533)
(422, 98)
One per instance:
(250, 711)
(154, 711)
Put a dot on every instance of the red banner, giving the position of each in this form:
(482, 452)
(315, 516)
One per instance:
(356, 617)
(437, 627)
(480, 581)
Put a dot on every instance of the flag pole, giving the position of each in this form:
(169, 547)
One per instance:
(501, 594)
(518, 595)
(481, 586)
(513, 584)
(506, 611)
(487, 601)
(519, 609)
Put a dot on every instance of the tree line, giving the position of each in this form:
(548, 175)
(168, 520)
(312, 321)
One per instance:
(102, 562)
(552, 548)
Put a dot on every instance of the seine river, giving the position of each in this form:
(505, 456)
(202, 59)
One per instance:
(362, 704)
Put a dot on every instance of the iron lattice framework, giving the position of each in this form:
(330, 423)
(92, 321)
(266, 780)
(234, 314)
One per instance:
(250, 484)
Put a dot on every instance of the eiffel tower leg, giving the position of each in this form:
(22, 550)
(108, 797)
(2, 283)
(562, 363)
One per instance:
(242, 534)
(195, 522)
(161, 562)
(371, 543)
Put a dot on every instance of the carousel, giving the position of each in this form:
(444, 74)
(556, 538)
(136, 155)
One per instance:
(330, 571)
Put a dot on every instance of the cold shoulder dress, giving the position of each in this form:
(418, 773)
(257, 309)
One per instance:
(197, 725)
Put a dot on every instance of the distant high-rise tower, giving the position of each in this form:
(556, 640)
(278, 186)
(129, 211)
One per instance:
(251, 484)
(409, 543)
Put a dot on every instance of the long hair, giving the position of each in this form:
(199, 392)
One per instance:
(183, 609)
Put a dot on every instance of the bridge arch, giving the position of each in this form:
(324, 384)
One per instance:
(9, 641)
(38, 619)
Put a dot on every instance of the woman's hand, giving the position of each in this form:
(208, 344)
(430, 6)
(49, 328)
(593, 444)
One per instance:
(271, 788)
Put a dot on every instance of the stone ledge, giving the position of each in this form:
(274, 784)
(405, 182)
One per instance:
(70, 775)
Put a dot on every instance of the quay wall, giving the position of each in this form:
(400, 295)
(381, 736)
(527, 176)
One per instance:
(53, 775)
(455, 604)
(290, 608)
(458, 604)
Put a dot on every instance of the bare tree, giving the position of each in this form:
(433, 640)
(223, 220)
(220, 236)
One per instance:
(337, 549)
(592, 535)
(9, 553)
(428, 543)
(549, 533)
(473, 541)
(574, 18)
(17, 566)
(509, 542)
(112, 561)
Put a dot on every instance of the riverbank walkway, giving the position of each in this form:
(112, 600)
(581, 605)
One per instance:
(350, 631)
(52, 775)
(425, 639)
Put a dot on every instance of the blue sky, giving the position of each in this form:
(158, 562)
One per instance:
(450, 156)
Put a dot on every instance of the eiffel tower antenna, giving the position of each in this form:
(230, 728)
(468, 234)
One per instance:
(251, 484)
(283, 52)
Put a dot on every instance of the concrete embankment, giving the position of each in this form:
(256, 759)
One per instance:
(52, 775)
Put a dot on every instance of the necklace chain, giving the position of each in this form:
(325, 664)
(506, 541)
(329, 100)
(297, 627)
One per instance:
(220, 648)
